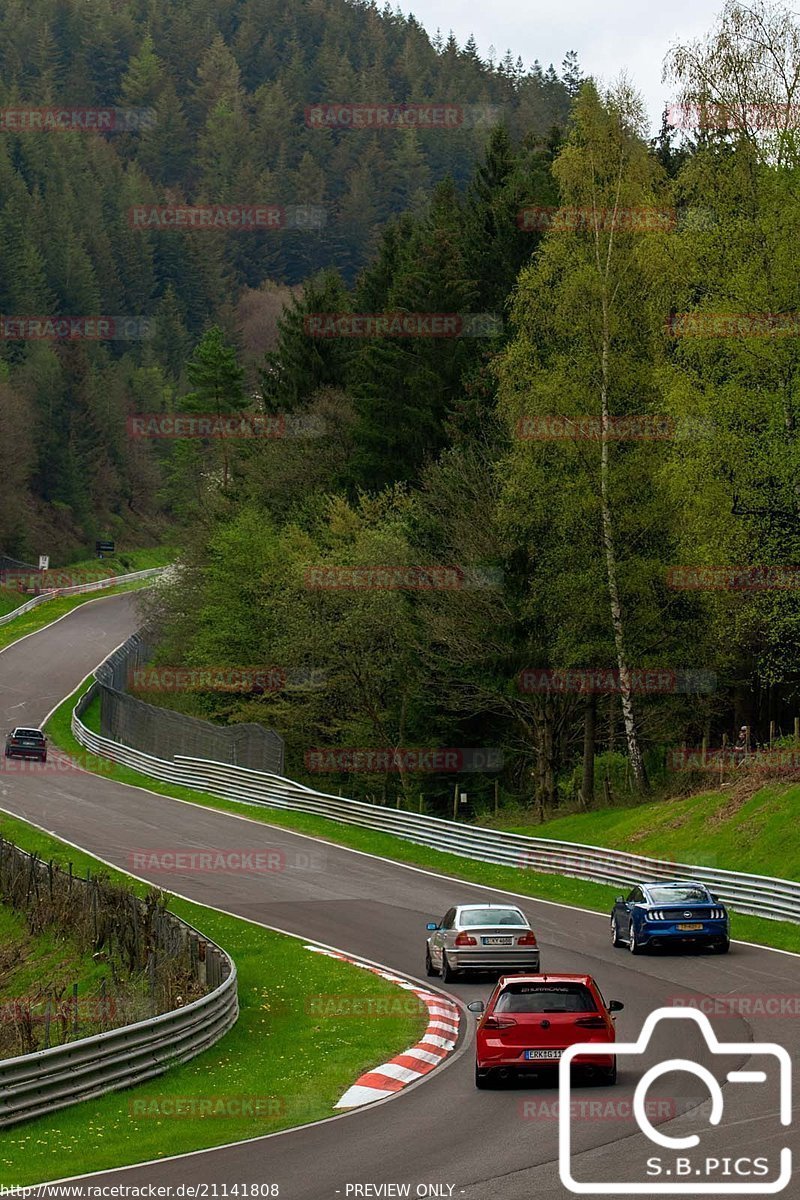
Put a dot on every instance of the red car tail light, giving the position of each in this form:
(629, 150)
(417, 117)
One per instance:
(499, 1022)
(466, 939)
(527, 939)
(591, 1022)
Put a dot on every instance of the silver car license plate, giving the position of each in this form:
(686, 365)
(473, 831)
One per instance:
(529, 1054)
(497, 941)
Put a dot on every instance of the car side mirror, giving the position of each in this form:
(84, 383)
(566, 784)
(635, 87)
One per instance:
(615, 1006)
(476, 1006)
(431, 926)
(716, 899)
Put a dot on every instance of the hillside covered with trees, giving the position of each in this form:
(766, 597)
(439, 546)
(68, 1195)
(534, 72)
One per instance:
(219, 95)
(654, 552)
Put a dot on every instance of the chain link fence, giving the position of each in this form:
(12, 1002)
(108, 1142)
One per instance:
(146, 961)
(164, 733)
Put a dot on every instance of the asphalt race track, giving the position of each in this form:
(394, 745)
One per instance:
(501, 1144)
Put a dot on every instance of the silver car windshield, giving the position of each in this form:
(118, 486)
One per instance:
(490, 916)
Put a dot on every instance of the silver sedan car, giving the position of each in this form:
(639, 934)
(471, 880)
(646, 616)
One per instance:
(481, 937)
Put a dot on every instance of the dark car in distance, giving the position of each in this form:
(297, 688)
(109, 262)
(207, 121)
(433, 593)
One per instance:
(26, 743)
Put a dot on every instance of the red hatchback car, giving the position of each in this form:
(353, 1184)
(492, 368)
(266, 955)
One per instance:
(531, 1019)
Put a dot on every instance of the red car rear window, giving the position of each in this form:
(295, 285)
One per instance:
(558, 998)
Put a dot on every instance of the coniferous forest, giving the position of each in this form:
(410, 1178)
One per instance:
(222, 90)
(661, 555)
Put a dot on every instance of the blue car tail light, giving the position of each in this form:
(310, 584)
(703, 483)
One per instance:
(659, 914)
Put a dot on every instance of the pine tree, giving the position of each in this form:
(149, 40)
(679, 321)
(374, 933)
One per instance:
(217, 380)
(302, 364)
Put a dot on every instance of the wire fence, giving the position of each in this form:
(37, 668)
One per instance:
(164, 733)
(139, 960)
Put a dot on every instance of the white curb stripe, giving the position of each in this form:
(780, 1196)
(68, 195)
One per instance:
(393, 1071)
(422, 1056)
(398, 1073)
(356, 1096)
(433, 1039)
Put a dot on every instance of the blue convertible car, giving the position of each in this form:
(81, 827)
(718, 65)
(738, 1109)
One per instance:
(670, 913)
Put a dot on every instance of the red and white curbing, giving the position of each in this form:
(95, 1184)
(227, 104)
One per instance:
(433, 1048)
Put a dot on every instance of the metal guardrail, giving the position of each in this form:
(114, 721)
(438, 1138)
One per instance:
(96, 585)
(33, 1085)
(758, 895)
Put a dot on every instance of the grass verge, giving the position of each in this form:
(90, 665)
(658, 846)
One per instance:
(782, 935)
(281, 1054)
(742, 827)
(124, 563)
(46, 613)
